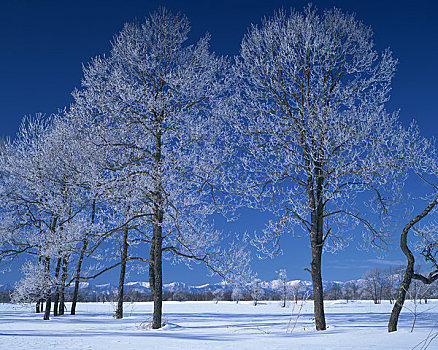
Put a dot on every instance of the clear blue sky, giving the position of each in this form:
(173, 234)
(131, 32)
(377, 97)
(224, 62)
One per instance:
(45, 43)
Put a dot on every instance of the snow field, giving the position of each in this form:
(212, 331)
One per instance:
(226, 325)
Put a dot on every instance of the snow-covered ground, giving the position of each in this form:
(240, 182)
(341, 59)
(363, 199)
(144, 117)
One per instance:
(226, 325)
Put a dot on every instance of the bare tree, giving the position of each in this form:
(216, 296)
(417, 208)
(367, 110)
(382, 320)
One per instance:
(41, 204)
(256, 290)
(237, 294)
(350, 291)
(218, 295)
(295, 290)
(374, 284)
(151, 104)
(312, 90)
(283, 287)
(334, 293)
(420, 159)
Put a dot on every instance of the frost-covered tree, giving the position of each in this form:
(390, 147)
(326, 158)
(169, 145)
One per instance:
(218, 295)
(282, 286)
(256, 290)
(350, 291)
(312, 90)
(34, 284)
(237, 294)
(296, 289)
(373, 286)
(152, 106)
(421, 160)
(42, 201)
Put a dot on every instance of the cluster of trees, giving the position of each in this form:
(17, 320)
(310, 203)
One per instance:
(163, 134)
(378, 285)
(130, 172)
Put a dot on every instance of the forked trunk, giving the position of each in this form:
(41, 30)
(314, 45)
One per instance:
(404, 287)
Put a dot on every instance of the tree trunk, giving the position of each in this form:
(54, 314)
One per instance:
(124, 255)
(401, 296)
(157, 228)
(56, 300)
(81, 259)
(317, 243)
(151, 268)
(39, 303)
(78, 274)
(158, 278)
(318, 291)
(48, 307)
(48, 292)
(284, 294)
(404, 287)
(315, 194)
(62, 291)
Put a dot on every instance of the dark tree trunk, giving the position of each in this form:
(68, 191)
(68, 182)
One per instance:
(48, 307)
(78, 274)
(284, 294)
(39, 303)
(318, 291)
(124, 255)
(409, 274)
(315, 193)
(151, 268)
(158, 277)
(317, 243)
(56, 300)
(48, 292)
(81, 259)
(401, 295)
(62, 289)
(157, 228)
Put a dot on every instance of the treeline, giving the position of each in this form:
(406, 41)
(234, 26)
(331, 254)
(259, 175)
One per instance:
(376, 285)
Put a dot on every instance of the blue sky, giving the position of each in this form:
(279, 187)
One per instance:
(43, 45)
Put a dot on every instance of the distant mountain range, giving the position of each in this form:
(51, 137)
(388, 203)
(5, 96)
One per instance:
(143, 287)
(267, 286)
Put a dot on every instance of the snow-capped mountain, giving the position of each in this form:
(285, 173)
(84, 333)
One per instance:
(267, 286)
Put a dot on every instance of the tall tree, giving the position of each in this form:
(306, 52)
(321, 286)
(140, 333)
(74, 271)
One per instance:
(310, 95)
(151, 105)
